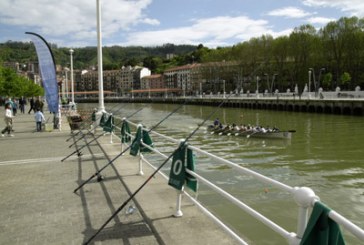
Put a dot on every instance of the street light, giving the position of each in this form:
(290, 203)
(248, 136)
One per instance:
(200, 90)
(319, 78)
(72, 88)
(99, 59)
(257, 91)
(309, 83)
(149, 88)
(223, 82)
(184, 88)
(66, 70)
(132, 88)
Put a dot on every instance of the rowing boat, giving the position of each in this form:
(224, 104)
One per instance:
(252, 133)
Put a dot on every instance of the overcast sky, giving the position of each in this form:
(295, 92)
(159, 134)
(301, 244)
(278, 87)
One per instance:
(72, 23)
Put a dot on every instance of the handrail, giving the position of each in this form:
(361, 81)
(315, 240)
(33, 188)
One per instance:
(304, 197)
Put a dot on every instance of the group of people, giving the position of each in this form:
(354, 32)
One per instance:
(11, 111)
(242, 128)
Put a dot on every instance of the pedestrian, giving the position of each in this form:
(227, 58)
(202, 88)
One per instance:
(31, 105)
(8, 118)
(39, 119)
(8, 101)
(22, 105)
(15, 107)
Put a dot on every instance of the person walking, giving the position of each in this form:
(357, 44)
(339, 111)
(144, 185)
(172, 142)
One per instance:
(31, 105)
(22, 105)
(8, 118)
(39, 119)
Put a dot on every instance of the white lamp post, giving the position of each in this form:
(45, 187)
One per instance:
(72, 88)
(99, 58)
(309, 84)
(257, 87)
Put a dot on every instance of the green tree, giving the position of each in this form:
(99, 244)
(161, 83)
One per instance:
(327, 80)
(345, 79)
(14, 85)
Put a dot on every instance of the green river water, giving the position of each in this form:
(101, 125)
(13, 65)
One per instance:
(325, 154)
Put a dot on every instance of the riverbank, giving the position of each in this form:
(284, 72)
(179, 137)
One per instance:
(39, 207)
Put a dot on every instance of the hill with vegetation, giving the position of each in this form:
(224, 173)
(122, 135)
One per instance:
(333, 54)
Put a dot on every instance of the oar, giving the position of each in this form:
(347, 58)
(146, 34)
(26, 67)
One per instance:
(248, 136)
(152, 175)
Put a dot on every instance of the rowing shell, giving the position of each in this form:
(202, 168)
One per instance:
(253, 134)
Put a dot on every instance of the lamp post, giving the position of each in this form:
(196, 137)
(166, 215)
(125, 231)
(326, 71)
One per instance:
(63, 87)
(265, 74)
(184, 88)
(200, 90)
(223, 82)
(309, 83)
(99, 59)
(149, 88)
(319, 78)
(314, 80)
(132, 88)
(66, 73)
(274, 76)
(257, 91)
(72, 85)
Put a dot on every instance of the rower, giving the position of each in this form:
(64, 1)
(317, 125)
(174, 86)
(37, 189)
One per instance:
(216, 122)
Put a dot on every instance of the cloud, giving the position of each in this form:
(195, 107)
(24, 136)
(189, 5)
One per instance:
(320, 20)
(75, 18)
(353, 7)
(289, 12)
(217, 31)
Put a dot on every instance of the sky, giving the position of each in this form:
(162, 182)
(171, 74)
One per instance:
(213, 23)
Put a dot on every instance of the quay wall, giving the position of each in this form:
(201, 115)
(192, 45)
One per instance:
(339, 106)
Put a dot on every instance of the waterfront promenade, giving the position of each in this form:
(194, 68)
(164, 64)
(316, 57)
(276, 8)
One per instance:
(38, 205)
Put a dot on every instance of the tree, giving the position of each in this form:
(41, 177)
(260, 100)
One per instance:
(327, 80)
(345, 79)
(14, 85)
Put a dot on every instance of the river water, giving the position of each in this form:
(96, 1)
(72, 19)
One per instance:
(325, 154)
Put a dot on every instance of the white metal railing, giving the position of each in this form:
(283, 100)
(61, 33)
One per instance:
(303, 196)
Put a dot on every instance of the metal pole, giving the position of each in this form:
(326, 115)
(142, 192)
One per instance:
(66, 71)
(223, 81)
(309, 84)
(72, 88)
(200, 90)
(99, 58)
(149, 89)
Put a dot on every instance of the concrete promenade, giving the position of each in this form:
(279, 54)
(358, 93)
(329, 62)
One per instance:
(38, 206)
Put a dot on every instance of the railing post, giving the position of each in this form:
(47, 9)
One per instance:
(304, 198)
(141, 158)
(179, 212)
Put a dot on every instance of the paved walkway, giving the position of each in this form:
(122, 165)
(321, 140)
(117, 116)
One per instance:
(38, 205)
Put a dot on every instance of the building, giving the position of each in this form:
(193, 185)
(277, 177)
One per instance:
(121, 82)
(181, 77)
(152, 82)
